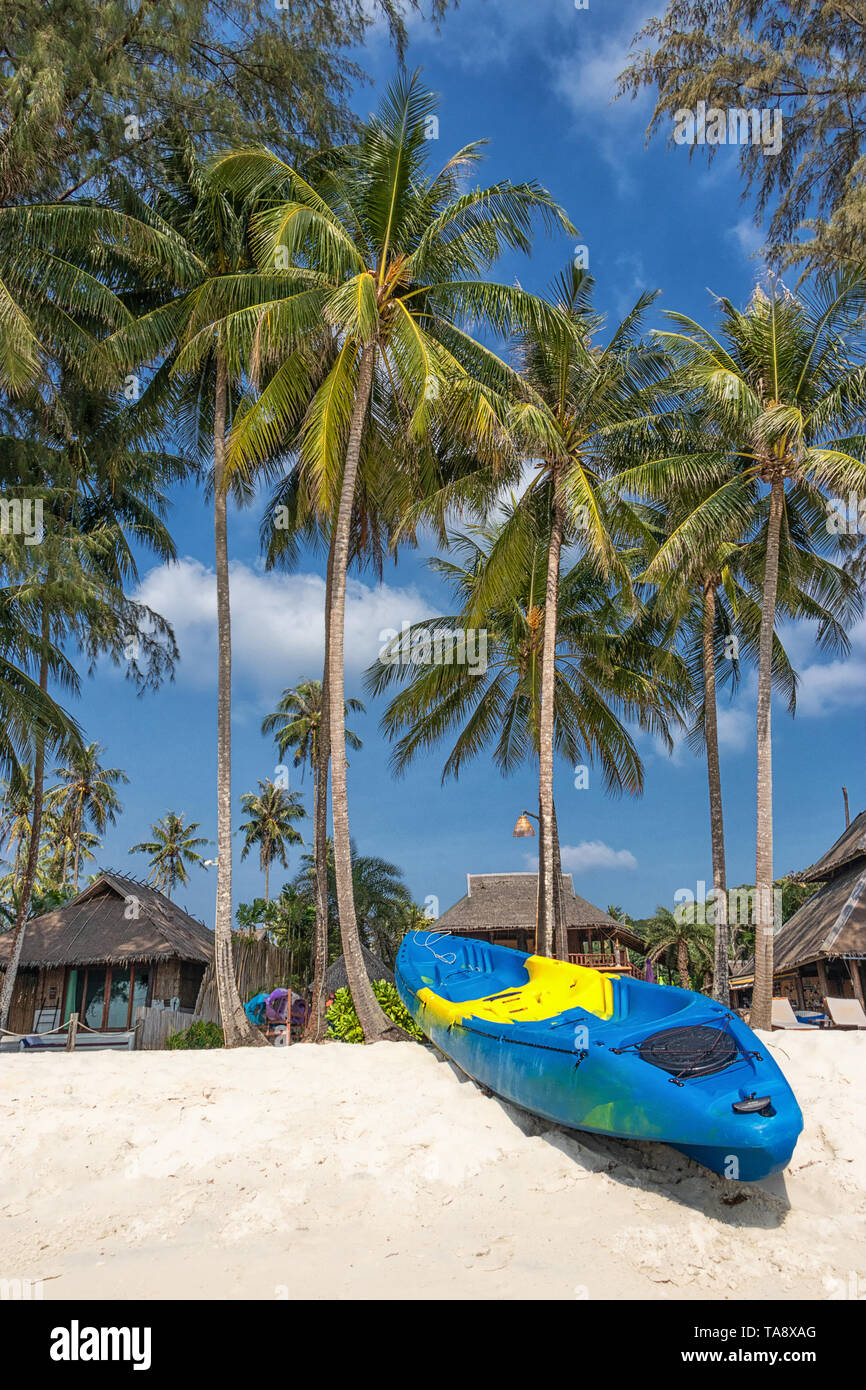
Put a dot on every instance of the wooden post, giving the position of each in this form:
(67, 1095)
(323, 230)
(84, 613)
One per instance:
(847, 814)
(71, 1032)
(823, 986)
(854, 971)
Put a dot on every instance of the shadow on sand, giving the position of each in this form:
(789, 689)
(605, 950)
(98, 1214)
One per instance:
(652, 1168)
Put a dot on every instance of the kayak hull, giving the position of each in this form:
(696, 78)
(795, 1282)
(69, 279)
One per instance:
(606, 1054)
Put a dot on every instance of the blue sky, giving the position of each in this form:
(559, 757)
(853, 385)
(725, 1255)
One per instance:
(537, 80)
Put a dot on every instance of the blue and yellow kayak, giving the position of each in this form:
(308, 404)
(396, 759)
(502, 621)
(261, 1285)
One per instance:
(603, 1053)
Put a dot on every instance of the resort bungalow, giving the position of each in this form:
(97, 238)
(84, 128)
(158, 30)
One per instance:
(115, 946)
(820, 952)
(502, 908)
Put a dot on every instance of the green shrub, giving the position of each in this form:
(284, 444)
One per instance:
(199, 1034)
(343, 1021)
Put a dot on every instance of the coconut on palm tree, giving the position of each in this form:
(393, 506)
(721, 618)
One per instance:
(392, 260)
(272, 812)
(173, 848)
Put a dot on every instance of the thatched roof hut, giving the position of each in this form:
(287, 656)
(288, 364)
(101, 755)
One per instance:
(502, 908)
(336, 976)
(115, 919)
(849, 849)
(821, 949)
(118, 946)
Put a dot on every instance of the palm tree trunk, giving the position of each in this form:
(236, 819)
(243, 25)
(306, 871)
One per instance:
(762, 999)
(374, 1023)
(721, 989)
(560, 933)
(77, 849)
(26, 893)
(315, 1029)
(267, 880)
(683, 963)
(545, 736)
(237, 1028)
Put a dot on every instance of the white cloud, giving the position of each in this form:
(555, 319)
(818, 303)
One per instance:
(595, 854)
(748, 238)
(826, 686)
(736, 729)
(277, 621)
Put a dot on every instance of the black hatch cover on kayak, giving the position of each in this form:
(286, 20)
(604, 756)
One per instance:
(685, 1052)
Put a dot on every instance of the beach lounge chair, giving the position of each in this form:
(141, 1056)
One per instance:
(783, 1016)
(846, 1013)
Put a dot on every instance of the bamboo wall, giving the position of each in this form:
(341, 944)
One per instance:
(259, 966)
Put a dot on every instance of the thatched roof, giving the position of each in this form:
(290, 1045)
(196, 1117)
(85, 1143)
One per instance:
(850, 847)
(337, 978)
(507, 902)
(92, 928)
(832, 923)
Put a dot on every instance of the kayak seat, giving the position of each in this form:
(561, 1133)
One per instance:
(553, 988)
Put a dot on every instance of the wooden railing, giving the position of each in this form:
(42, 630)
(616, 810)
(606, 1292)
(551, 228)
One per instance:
(598, 960)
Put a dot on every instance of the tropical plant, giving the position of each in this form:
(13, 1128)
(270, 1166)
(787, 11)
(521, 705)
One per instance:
(385, 907)
(679, 935)
(343, 1023)
(271, 811)
(110, 84)
(89, 796)
(174, 846)
(391, 260)
(781, 394)
(201, 1034)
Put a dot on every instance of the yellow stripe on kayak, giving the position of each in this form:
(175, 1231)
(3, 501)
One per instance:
(553, 987)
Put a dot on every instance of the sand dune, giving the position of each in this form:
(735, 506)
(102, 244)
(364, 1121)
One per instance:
(383, 1172)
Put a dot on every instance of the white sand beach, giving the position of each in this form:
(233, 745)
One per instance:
(356, 1172)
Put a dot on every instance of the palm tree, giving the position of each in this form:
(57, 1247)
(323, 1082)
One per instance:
(385, 907)
(99, 484)
(203, 235)
(390, 259)
(271, 812)
(781, 393)
(609, 669)
(678, 934)
(173, 847)
(297, 724)
(15, 820)
(90, 796)
(383, 902)
(713, 601)
(576, 394)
